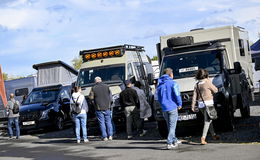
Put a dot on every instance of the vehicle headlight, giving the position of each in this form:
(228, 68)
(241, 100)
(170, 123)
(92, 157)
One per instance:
(115, 99)
(45, 114)
(115, 96)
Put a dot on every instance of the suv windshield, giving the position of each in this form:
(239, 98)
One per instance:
(42, 95)
(185, 65)
(107, 74)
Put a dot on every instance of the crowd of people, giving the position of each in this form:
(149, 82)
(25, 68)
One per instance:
(136, 108)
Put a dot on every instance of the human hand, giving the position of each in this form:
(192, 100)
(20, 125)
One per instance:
(180, 107)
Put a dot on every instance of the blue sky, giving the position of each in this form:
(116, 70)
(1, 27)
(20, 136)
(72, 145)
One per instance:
(36, 31)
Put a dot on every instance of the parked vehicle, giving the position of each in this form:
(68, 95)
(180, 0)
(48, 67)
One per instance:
(46, 106)
(20, 87)
(49, 103)
(224, 52)
(115, 65)
(3, 102)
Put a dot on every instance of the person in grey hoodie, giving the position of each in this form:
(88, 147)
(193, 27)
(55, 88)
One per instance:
(12, 118)
(145, 110)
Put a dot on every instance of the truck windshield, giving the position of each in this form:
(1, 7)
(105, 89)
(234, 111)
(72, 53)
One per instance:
(42, 96)
(107, 73)
(185, 65)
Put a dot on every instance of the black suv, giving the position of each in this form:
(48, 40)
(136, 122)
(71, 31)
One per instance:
(46, 106)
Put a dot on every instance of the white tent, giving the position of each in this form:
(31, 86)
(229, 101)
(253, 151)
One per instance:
(55, 72)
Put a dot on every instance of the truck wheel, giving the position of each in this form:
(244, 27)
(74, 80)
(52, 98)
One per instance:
(228, 121)
(162, 128)
(59, 123)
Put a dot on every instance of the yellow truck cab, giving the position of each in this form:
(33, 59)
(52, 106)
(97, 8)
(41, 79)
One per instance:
(115, 65)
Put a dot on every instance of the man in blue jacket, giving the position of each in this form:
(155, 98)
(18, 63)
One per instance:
(170, 99)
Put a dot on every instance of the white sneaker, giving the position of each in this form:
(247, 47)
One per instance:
(178, 142)
(86, 140)
(105, 139)
(110, 138)
(78, 141)
(143, 134)
(171, 146)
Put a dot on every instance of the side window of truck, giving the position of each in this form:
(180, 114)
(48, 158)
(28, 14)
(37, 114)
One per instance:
(241, 47)
(130, 72)
(137, 69)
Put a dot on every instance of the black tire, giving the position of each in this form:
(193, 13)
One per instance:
(244, 105)
(228, 119)
(162, 128)
(225, 121)
(59, 123)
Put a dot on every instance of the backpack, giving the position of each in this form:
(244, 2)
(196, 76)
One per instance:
(15, 107)
(75, 106)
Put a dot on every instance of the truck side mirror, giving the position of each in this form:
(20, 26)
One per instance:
(237, 67)
(150, 79)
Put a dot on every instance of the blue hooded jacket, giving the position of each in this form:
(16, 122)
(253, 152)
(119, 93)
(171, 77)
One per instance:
(168, 93)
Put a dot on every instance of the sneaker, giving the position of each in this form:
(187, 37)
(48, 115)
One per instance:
(17, 137)
(78, 141)
(178, 142)
(129, 137)
(105, 139)
(171, 146)
(143, 134)
(86, 140)
(110, 138)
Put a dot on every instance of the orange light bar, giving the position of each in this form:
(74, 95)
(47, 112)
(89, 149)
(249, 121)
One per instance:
(93, 55)
(117, 52)
(105, 54)
(111, 53)
(87, 56)
(99, 54)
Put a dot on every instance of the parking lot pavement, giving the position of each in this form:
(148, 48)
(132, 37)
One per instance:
(243, 143)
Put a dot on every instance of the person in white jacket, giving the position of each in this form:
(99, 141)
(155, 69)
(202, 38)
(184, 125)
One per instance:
(81, 118)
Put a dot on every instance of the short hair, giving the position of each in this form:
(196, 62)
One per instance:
(98, 79)
(138, 84)
(76, 88)
(202, 74)
(167, 71)
(11, 96)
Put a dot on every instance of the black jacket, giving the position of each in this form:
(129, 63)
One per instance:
(129, 97)
(101, 95)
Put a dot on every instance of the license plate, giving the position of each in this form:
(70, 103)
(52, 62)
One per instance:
(187, 117)
(28, 123)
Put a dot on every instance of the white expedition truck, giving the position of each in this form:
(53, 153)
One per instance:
(224, 52)
(115, 65)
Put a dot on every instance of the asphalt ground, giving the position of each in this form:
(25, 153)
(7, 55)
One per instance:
(241, 144)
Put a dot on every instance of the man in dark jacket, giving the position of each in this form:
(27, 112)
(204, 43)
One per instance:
(101, 95)
(129, 101)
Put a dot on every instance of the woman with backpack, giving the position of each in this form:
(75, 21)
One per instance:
(203, 95)
(79, 109)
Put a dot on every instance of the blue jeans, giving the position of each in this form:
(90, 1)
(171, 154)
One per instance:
(14, 120)
(81, 121)
(171, 120)
(105, 123)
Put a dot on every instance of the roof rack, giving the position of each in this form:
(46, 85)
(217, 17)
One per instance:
(124, 47)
